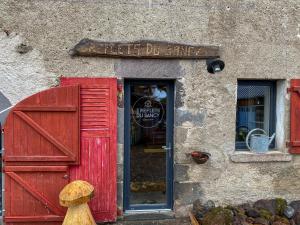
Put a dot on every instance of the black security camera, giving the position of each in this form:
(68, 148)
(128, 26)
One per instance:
(215, 65)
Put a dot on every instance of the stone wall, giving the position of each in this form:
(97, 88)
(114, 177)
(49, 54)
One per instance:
(258, 39)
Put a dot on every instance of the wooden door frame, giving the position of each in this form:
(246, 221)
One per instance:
(169, 139)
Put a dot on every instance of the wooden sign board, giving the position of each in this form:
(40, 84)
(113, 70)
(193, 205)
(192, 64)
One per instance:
(143, 49)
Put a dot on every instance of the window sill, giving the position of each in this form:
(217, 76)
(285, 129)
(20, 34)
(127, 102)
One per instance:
(272, 156)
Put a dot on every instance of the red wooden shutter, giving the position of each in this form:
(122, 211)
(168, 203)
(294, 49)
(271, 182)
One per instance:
(295, 117)
(44, 127)
(98, 142)
(41, 140)
(31, 194)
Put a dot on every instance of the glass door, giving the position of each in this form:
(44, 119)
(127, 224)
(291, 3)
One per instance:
(149, 107)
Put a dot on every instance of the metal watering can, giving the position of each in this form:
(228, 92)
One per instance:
(259, 143)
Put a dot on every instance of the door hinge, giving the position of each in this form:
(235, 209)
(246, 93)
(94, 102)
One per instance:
(293, 89)
(293, 144)
(120, 88)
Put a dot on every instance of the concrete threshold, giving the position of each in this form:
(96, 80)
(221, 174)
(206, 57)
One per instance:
(148, 215)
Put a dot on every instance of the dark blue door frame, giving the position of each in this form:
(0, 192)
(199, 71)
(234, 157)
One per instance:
(169, 141)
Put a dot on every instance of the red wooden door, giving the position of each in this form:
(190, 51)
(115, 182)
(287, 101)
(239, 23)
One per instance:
(41, 140)
(295, 117)
(98, 127)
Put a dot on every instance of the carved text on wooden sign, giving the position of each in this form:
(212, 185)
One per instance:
(143, 49)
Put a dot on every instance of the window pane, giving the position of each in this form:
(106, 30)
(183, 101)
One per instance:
(253, 111)
(148, 136)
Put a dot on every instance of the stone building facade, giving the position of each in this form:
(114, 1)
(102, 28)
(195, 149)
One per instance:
(259, 40)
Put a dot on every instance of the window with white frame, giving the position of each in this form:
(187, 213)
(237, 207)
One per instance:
(256, 108)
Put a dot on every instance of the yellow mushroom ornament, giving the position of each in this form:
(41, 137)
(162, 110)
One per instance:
(75, 196)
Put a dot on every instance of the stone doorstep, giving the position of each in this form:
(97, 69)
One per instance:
(174, 221)
(151, 218)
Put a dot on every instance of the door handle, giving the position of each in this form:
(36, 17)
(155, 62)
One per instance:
(168, 149)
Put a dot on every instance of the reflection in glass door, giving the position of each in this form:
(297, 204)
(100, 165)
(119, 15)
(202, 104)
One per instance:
(148, 144)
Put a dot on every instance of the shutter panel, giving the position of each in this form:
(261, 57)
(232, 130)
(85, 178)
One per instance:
(41, 140)
(295, 117)
(44, 127)
(98, 143)
(31, 195)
